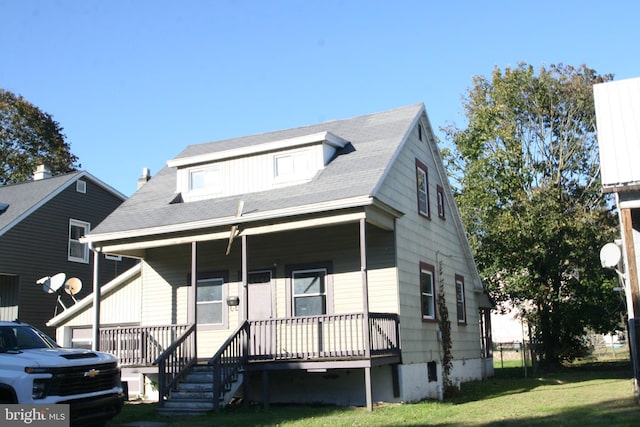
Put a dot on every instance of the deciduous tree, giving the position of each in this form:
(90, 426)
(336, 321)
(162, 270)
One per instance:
(28, 137)
(526, 174)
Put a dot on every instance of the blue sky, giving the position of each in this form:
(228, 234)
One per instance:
(134, 82)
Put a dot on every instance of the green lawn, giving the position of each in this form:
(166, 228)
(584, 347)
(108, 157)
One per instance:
(595, 394)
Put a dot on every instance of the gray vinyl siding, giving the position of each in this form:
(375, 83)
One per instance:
(434, 241)
(38, 247)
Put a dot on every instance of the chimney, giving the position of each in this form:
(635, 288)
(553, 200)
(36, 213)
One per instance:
(146, 176)
(42, 172)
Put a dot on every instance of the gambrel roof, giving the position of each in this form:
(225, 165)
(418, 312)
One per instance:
(20, 200)
(350, 179)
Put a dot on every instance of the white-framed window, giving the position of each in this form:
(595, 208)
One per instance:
(422, 189)
(428, 291)
(291, 166)
(78, 252)
(461, 308)
(309, 292)
(81, 186)
(205, 180)
(209, 301)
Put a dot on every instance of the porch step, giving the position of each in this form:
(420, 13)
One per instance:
(194, 395)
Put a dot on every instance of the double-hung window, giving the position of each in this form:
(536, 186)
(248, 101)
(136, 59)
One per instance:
(77, 251)
(460, 300)
(309, 292)
(422, 189)
(428, 291)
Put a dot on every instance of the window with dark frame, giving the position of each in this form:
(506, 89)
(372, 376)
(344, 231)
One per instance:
(428, 291)
(309, 292)
(440, 196)
(422, 189)
(460, 299)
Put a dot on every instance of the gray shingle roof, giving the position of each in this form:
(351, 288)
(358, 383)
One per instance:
(355, 172)
(23, 198)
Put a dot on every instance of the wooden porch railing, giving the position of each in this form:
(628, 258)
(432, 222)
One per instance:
(175, 360)
(139, 345)
(328, 336)
(228, 362)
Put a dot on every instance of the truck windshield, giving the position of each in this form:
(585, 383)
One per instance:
(23, 337)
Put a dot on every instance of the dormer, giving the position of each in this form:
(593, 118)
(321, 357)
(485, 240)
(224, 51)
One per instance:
(259, 167)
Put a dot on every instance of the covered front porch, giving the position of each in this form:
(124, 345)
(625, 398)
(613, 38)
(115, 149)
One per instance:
(344, 341)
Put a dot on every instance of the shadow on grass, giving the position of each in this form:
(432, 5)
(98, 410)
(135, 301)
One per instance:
(511, 380)
(624, 413)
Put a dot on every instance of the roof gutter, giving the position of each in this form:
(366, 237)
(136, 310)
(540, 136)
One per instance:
(245, 218)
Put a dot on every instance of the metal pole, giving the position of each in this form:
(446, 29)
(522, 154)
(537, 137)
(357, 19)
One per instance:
(95, 346)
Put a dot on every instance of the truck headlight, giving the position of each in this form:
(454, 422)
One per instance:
(40, 388)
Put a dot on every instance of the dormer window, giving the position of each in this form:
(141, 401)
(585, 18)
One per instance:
(205, 180)
(291, 166)
(261, 167)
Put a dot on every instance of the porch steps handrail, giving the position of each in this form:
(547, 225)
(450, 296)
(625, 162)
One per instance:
(174, 361)
(228, 365)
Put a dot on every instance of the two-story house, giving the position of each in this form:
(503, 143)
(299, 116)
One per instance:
(41, 223)
(313, 264)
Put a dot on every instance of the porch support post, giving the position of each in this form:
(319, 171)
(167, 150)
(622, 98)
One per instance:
(193, 291)
(365, 309)
(245, 292)
(367, 388)
(365, 286)
(95, 346)
(265, 389)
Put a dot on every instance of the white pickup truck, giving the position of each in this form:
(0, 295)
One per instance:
(35, 370)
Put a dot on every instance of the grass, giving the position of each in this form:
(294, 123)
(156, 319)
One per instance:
(588, 394)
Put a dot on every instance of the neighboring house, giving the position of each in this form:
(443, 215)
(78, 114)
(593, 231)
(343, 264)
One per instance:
(617, 106)
(310, 260)
(41, 223)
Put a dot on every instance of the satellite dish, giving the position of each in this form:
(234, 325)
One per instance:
(610, 255)
(73, 286)
(52, 284)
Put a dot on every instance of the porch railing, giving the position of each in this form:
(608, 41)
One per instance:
(174, 361)
(229, 362)
(139, 345)
(328, 336)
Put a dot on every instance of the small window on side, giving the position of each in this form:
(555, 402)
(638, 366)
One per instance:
(461, 308)
(422, 189)
(77, 251)
(81, 186)
(440, 195)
